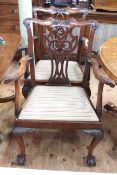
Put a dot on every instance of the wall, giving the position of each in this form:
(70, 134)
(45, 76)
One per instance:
(104, 32)
(25, 11)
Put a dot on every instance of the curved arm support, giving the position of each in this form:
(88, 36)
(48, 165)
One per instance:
(100, 73)
(19, 73)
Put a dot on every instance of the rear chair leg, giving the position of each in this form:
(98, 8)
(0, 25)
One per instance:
(97, 137)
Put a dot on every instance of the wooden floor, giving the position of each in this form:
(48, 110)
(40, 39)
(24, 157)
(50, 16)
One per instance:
(60, 149)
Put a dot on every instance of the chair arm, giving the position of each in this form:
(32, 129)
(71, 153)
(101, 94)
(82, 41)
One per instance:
(100, 74)
(19, 73)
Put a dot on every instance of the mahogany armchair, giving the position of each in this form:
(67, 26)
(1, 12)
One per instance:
(58, 104)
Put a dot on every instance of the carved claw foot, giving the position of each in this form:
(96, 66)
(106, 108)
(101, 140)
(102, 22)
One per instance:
(91, 161)
(21, 160)
(97, 135)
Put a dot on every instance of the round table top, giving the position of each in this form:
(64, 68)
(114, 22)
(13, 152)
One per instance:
(108, 57)
(8, 50)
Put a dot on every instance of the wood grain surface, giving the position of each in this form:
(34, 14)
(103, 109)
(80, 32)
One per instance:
(7, 51)
(108, 57)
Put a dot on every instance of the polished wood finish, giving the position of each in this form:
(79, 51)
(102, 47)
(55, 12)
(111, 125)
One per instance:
(9, 12)
(103, 79)
(9, 27)
(9, 18)
(9, 1)
(6, 93)
(14, 77)
(108, 57)
(19, 73)
(100, 74)
(7, 51)
(110, 5)
(59, 11)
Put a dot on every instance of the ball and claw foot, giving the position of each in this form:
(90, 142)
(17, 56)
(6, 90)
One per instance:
(21, 160)
(91, 161)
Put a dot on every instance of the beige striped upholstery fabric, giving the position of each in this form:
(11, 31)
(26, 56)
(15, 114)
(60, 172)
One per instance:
(43, 70)
(58, 103)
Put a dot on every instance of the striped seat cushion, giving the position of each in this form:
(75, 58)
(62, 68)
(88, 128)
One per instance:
(43, 70)
(58, 103)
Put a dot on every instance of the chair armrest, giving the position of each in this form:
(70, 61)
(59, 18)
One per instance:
(19, 73)
(100, 74)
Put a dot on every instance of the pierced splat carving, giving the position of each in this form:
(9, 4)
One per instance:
(60, 44)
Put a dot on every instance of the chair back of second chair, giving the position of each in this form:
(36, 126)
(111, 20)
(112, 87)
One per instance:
(60, 41)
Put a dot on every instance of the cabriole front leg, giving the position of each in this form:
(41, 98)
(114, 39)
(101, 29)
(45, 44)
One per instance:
(97, 137)
(17, 134)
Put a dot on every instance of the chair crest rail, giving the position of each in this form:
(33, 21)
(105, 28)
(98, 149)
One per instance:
(60, 11)
(71, 22)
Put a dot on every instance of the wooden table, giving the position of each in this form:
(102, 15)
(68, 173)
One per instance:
(108, 57)
(7, 52)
